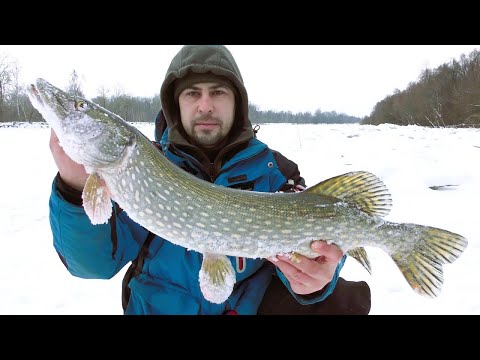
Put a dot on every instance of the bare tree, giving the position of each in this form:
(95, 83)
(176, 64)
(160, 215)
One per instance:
(7, 66)
(102, 97)
(74, 86)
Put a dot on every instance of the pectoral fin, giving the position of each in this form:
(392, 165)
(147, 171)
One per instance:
(96, 200)
(216, 277)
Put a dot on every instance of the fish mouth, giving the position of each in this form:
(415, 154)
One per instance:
(47, 96)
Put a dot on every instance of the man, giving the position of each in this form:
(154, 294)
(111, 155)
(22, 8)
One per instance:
(204, 128)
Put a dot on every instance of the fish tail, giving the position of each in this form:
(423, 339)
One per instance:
(422, 267)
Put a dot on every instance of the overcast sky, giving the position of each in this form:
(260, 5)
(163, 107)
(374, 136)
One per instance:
(348, 79)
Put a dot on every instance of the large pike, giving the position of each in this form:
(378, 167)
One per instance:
(124, 166)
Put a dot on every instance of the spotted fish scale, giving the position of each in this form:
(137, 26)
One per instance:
(346, 210)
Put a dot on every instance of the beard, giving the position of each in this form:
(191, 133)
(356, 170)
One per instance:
(207, 136)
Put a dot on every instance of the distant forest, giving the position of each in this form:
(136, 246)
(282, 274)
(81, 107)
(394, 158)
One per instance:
(15, 106)
(446, 96)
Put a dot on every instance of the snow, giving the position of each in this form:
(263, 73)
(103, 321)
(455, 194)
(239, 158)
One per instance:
(432, 174)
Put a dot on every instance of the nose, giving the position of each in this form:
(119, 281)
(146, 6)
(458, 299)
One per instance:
(205, 104)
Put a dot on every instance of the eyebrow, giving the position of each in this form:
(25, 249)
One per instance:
(216, 86)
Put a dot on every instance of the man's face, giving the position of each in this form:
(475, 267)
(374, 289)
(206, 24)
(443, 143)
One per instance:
(207, 111)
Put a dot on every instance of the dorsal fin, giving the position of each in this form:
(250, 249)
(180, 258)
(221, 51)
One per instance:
(360, 188)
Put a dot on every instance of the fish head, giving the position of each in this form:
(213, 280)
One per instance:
(89, 134)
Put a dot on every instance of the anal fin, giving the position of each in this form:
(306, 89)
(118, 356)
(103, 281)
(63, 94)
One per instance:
(360, 254)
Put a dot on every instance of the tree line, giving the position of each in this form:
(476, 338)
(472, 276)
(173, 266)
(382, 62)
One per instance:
(258, 116)
(448, 95)
(15, 105)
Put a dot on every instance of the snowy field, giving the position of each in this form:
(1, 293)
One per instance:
(410, 160)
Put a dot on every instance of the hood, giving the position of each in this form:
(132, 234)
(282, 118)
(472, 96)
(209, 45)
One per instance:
(218, 60)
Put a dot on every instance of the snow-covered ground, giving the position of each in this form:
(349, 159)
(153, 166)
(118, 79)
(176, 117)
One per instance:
(410, 160)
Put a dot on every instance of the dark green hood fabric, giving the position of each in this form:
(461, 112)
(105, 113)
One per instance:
(201, 59)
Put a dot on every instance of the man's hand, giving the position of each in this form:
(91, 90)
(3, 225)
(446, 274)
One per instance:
(306, 275)
(72, 173)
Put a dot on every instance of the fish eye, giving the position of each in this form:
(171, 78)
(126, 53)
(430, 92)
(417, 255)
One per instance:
(80, 105)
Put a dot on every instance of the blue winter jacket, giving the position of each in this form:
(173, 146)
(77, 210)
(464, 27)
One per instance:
(169, 281)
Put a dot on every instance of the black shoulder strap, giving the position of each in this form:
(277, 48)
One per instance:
(143, 253)
(135, 269)
(290, 170)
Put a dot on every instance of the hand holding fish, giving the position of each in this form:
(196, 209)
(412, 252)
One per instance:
(305, 275)
(72, 173)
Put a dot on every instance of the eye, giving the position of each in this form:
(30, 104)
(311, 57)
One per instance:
(81, 105)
